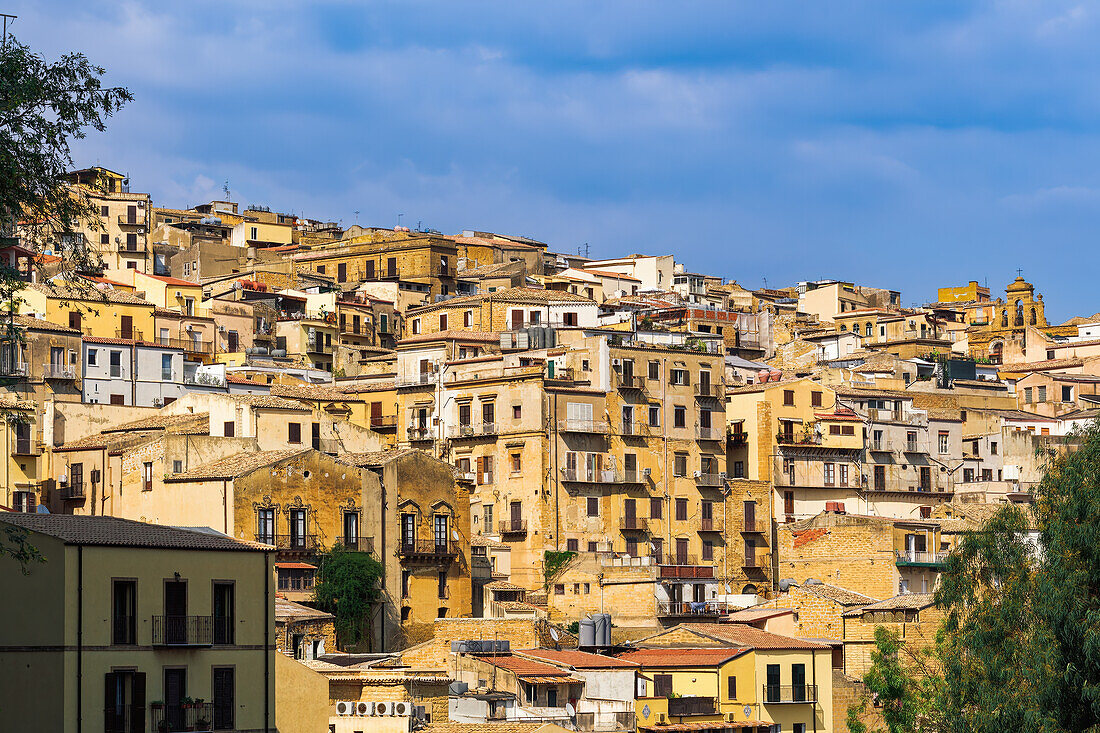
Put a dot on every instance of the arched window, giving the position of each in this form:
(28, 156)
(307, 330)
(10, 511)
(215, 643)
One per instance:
(1004, 318)
(868, 328)
(1031, 319)
(749, 590)
(1019, 313)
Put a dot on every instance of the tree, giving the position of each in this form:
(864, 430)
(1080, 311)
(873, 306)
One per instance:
(44, 107)
(348, 588)
(903, 682)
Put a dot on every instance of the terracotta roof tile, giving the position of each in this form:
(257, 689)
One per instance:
(525, 667)
(904, 602)
(269, 401)
(578, 660)
(39, 324)
(236, 465)
(312, 392)
(189, 424)
(288, 611)
(678, 657)
(115, 532)
(842, 596)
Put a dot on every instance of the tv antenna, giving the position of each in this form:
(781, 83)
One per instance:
(225, 188)
(399, 219)
(357, 217)
(583, 250)
(4, 38)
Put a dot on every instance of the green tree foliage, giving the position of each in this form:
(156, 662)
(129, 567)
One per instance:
(44, 106)
(554, 563)
(1019, 648)
(347, 589)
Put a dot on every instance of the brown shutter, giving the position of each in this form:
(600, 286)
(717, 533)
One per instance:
(110, 686)
(480, 470)
(137, 703)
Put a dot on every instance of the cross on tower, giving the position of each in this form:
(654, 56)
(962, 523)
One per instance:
(1019, 272)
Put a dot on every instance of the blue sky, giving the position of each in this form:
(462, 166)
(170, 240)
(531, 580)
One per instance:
(902, 145)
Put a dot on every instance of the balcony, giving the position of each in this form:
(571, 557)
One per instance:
(633, 524)
(183, 630)
(124, 719)
(698, 610)
(755, 562)
(135, 250)
(356, 544)
(629, 381)
(190, 346)
(420, 434)
(14, 370)
(751, 526)
(513, 527)
(712, 524)
(480, 430)
(195, 716)
(738, 438)
(290, 542)
(416, 380)
(383, 422)
(920, 558)
(789, 694)
(58, 371)
(130, 335)
(130, 221)
(595, 427)
(634, 429)
(711, 433)
(317, 347)
(686, 706)
(430, 551)
(710, 391)
(602, 476)
(71, 492)
(27, 447)
(710, 479)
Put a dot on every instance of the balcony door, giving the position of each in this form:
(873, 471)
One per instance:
(126, 327)
(175, 611)
(175, 690)
(630, 513)
(124, 702)
(265, 526)
(798, 682)
(408, 530)
(773, 683)
(516, 510)
(681, 552)
(440, 532)
(298, 528)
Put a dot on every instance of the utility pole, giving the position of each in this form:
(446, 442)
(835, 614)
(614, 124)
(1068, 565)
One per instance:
(4, 38)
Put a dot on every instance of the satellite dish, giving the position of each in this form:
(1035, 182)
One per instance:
(454, 535)
(554, 634)
(42, 510)
(569, 710)
(727, 588)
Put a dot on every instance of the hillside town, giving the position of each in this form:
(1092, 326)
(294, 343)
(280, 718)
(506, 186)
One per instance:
(603, 494)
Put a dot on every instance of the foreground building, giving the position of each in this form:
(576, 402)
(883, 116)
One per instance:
(133, 622)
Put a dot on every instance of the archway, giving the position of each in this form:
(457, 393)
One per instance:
(996, 352)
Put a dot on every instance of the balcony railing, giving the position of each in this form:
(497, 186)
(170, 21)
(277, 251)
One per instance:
(124, 719)
(711, 433)
(183, 630)
(513, 526)
(634, 429)
(755, 562)
(132, 335)
(713, 391)
(356, 544)
(599, 427)
(710, 479)
(712, 524)
(383, 422)
(602, 476)
(296, 542)
(128, 221)
(430, 550)
(633, 524)
(920, 557)
(474, 431)
(738, 438)
(196, 716)
(693, 608)
(752, 527)
(630, 381)
(676, 559)
(27, 448)
(416, 380)
(424, 433)
(685, 706)
(137, 249)
(71, 491)
(191, 346)
(790, 694)
(58, 371)
(20, 369)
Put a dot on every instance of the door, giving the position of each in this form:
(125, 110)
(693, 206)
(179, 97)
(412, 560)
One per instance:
(175, 612)
(704, 382)
(265, 526)
(798, 682)
(681, 552)
(126, 329)
(175, 690)
(628, 372)
(131, 215)
(630, 514)
(408, 530)
(706, 516)
(315, 435)
(750, 516)
(224, 696)
(375, 414)
(298, 528)
(440, 532)
(517, 320)
(517, 516)
(224, 602)
(773, 683)
(124, 702)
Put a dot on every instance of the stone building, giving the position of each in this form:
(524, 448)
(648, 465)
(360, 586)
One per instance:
(1003, 337)
(914, 617)
(303, 632)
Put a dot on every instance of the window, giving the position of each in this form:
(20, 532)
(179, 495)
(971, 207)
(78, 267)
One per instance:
(654, 370)
(592, 546)
(517, 412)
(788, 398)
(788, 502)
(880, 478)
(125, 692)
(124, 612)
(815, 399)
(678, 377)
(516, 463)
(1042, 393)
(166, 367)
(116, 363)
(993, 448)
(572, 545)
(1067, 393)
(679, 416)
(298, 537)
(488, 413)
(467, 318)
(464, 415)
(1027, 395)
(708, 550)
(416, 325)
(224, 698)
(680, 464)
(731, 687)
(593, 506)
(654, 417)
(351, 529)
(229, 430)
(265, 526)
(559, 589)
(224, 611)
(662, 685)
(442, 321)
(177, 466)
(484, 470)
(405, 575)
(487, 510)
(441, 584)
(91, 357)
(739, 469)
(843, 474)
(926, 478)
(944, 437)
(830, 474)
(147, 476)
(569, 318)
(656, 506)
(681, 510)
(294, 432)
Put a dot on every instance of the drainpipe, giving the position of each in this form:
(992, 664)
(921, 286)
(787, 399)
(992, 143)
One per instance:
(225, 507)
(813, 671)
(267, 644)
(79, 634)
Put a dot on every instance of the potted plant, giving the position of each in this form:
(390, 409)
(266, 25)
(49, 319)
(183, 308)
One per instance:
(186, 703)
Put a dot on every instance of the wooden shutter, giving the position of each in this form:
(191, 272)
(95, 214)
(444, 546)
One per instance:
(137, 703)
(224, 702)
(662, 685)
(110, 688)
(480, 470)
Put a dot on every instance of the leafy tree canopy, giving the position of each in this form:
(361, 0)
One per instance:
(347, 588)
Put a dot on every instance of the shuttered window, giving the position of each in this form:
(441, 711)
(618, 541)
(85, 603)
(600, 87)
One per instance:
(224, 698)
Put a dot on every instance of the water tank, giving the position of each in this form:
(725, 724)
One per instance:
(762, 376)
(603, 629)
(587, 632)
(776, 375)
(786, 583)
(278, 352)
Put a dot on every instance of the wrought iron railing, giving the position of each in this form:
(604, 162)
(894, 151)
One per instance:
(790, 693)
(183, 630)
(193, 716)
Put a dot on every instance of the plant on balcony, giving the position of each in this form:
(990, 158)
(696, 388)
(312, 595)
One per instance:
(347, 587)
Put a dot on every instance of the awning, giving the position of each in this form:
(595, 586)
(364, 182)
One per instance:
(295, 566)
(554, 680)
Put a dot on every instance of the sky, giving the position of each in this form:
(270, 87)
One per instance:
(907, 145)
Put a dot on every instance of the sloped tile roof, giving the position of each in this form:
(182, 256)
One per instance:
(39, 324)
(189, 424)
(904, 602)
(749, 636)
(579, 660)
(115, 532)
(269, 401)
(843, 596)
(290, 611)
(236, 465)
(374, 458)
(89, 293)
(314, 392)
(525, 667)
(680, 657)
